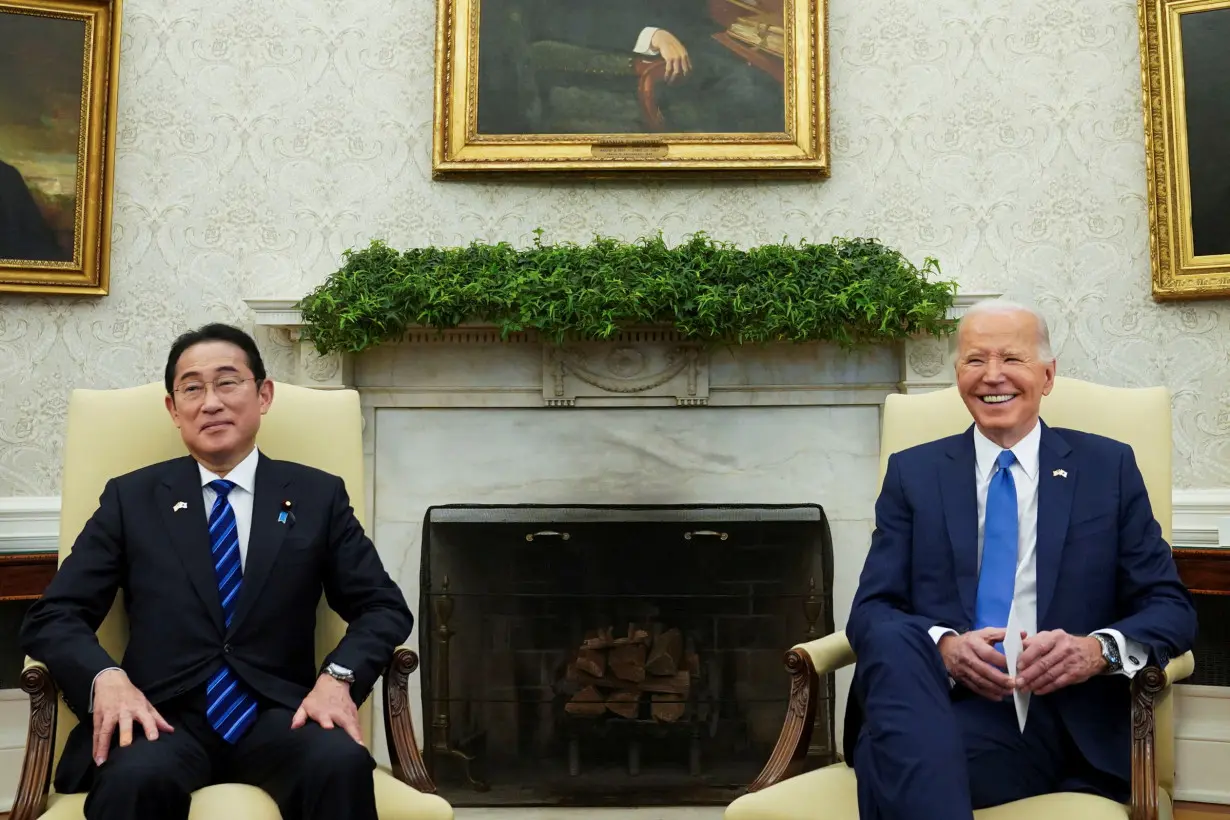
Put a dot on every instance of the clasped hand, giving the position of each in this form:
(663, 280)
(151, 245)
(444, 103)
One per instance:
(1049, 661)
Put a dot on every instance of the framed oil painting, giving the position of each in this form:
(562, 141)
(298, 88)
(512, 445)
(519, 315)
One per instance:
(58, 61)
(1185, 49)
(635, 87)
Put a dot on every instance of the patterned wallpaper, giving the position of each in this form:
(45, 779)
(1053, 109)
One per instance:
(259, 139)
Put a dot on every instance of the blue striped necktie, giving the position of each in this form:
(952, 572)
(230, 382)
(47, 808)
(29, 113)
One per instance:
(997, 577)
(229, 706)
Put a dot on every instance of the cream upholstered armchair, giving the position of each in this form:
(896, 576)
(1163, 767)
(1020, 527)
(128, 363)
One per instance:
(1139, 417)
(111, 432)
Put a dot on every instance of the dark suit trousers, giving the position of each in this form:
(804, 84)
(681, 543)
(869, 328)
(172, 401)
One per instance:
(927, 749)
(312, 773)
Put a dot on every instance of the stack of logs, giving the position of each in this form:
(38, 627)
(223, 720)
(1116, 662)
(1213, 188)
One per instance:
(616, 674)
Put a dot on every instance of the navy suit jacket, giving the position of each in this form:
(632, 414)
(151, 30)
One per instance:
(1101, 561)
(139, 544)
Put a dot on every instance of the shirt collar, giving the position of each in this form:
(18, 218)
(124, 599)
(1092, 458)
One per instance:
(1025, 450)
(243, 476)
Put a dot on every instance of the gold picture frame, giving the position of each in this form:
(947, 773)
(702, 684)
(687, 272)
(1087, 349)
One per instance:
(585, 87)
(1185, 74)
(57, 134)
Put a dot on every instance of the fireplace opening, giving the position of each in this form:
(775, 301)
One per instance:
(616, 655)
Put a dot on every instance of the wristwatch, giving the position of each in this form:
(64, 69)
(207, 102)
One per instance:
(340, 673)
(1110, 651)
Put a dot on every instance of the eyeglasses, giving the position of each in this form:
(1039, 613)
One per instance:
(192, 392)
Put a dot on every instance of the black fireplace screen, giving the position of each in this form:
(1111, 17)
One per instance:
(615, 655)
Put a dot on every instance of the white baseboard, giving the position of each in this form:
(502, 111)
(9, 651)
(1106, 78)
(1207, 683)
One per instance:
(14, 718)
(1202, 719)
(29, 523)
(1197, 515)
(1202, 743)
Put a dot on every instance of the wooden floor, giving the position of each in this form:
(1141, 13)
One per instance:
(1199, 811)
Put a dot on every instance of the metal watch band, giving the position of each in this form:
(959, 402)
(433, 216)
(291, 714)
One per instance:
(1110, 651)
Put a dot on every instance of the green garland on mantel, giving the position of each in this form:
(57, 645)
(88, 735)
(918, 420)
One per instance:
(848, 291)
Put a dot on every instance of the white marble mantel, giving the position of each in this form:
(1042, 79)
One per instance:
(650, 367)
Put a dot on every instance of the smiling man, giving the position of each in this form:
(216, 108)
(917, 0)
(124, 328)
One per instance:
(222, 556)
(1012, 528)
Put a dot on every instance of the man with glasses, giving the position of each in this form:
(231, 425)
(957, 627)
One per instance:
(222, 556)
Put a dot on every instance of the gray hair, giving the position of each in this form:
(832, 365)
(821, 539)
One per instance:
(996, 306)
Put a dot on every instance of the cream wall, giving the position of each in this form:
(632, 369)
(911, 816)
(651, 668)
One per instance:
(258, 140)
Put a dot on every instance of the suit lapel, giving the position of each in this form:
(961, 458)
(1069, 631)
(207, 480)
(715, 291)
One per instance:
(1056, 487)
(266, 535)
(960, 496)
(188, 528)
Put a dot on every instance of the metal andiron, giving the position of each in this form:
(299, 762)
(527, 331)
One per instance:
(441, 741)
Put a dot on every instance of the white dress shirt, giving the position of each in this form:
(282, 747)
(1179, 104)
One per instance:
(1024, 613)
(241, 495)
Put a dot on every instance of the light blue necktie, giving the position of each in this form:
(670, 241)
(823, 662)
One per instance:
(229, 706)
(997, 577)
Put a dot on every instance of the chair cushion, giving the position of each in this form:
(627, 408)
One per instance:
(234, 801)
(397, 801)
(225, 800)
(834, 788)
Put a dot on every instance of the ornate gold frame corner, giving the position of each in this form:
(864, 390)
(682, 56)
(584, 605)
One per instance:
(1177, 272)
(89, 272)
(802, 150)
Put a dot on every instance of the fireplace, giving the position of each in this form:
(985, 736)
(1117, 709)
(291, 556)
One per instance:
(615, 655)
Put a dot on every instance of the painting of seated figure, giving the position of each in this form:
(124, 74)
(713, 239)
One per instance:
(598, 66)
(631, 85)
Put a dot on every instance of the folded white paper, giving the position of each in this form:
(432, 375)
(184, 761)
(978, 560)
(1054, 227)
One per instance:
(1012, 651)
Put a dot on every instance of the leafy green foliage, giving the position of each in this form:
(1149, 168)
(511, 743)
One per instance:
(849, 291)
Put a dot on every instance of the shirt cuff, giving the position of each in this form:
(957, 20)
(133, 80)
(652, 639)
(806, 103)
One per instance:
(1132, 654)
(642, 43)
(937, 632)
(93, 682)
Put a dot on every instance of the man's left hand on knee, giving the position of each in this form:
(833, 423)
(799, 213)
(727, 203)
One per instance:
(329, 704)
(1051, 660)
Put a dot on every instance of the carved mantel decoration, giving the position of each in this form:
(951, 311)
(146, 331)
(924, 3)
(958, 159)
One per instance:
(649, 365)
(645, 367)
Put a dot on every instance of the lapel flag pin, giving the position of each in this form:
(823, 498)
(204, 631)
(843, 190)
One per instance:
(180, 505)
(1060, 473)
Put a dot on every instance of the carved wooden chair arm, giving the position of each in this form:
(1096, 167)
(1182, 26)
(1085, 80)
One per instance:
(805, 662)
(407, 760)
(32, 788)
(1148, 686)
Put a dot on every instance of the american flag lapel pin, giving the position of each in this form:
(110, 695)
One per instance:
(179, 505)
(1060, 473)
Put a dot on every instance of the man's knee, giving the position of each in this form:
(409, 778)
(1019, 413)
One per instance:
(333, 754)
(137, 778)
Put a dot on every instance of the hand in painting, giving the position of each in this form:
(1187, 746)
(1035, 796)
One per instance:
(678, 63)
